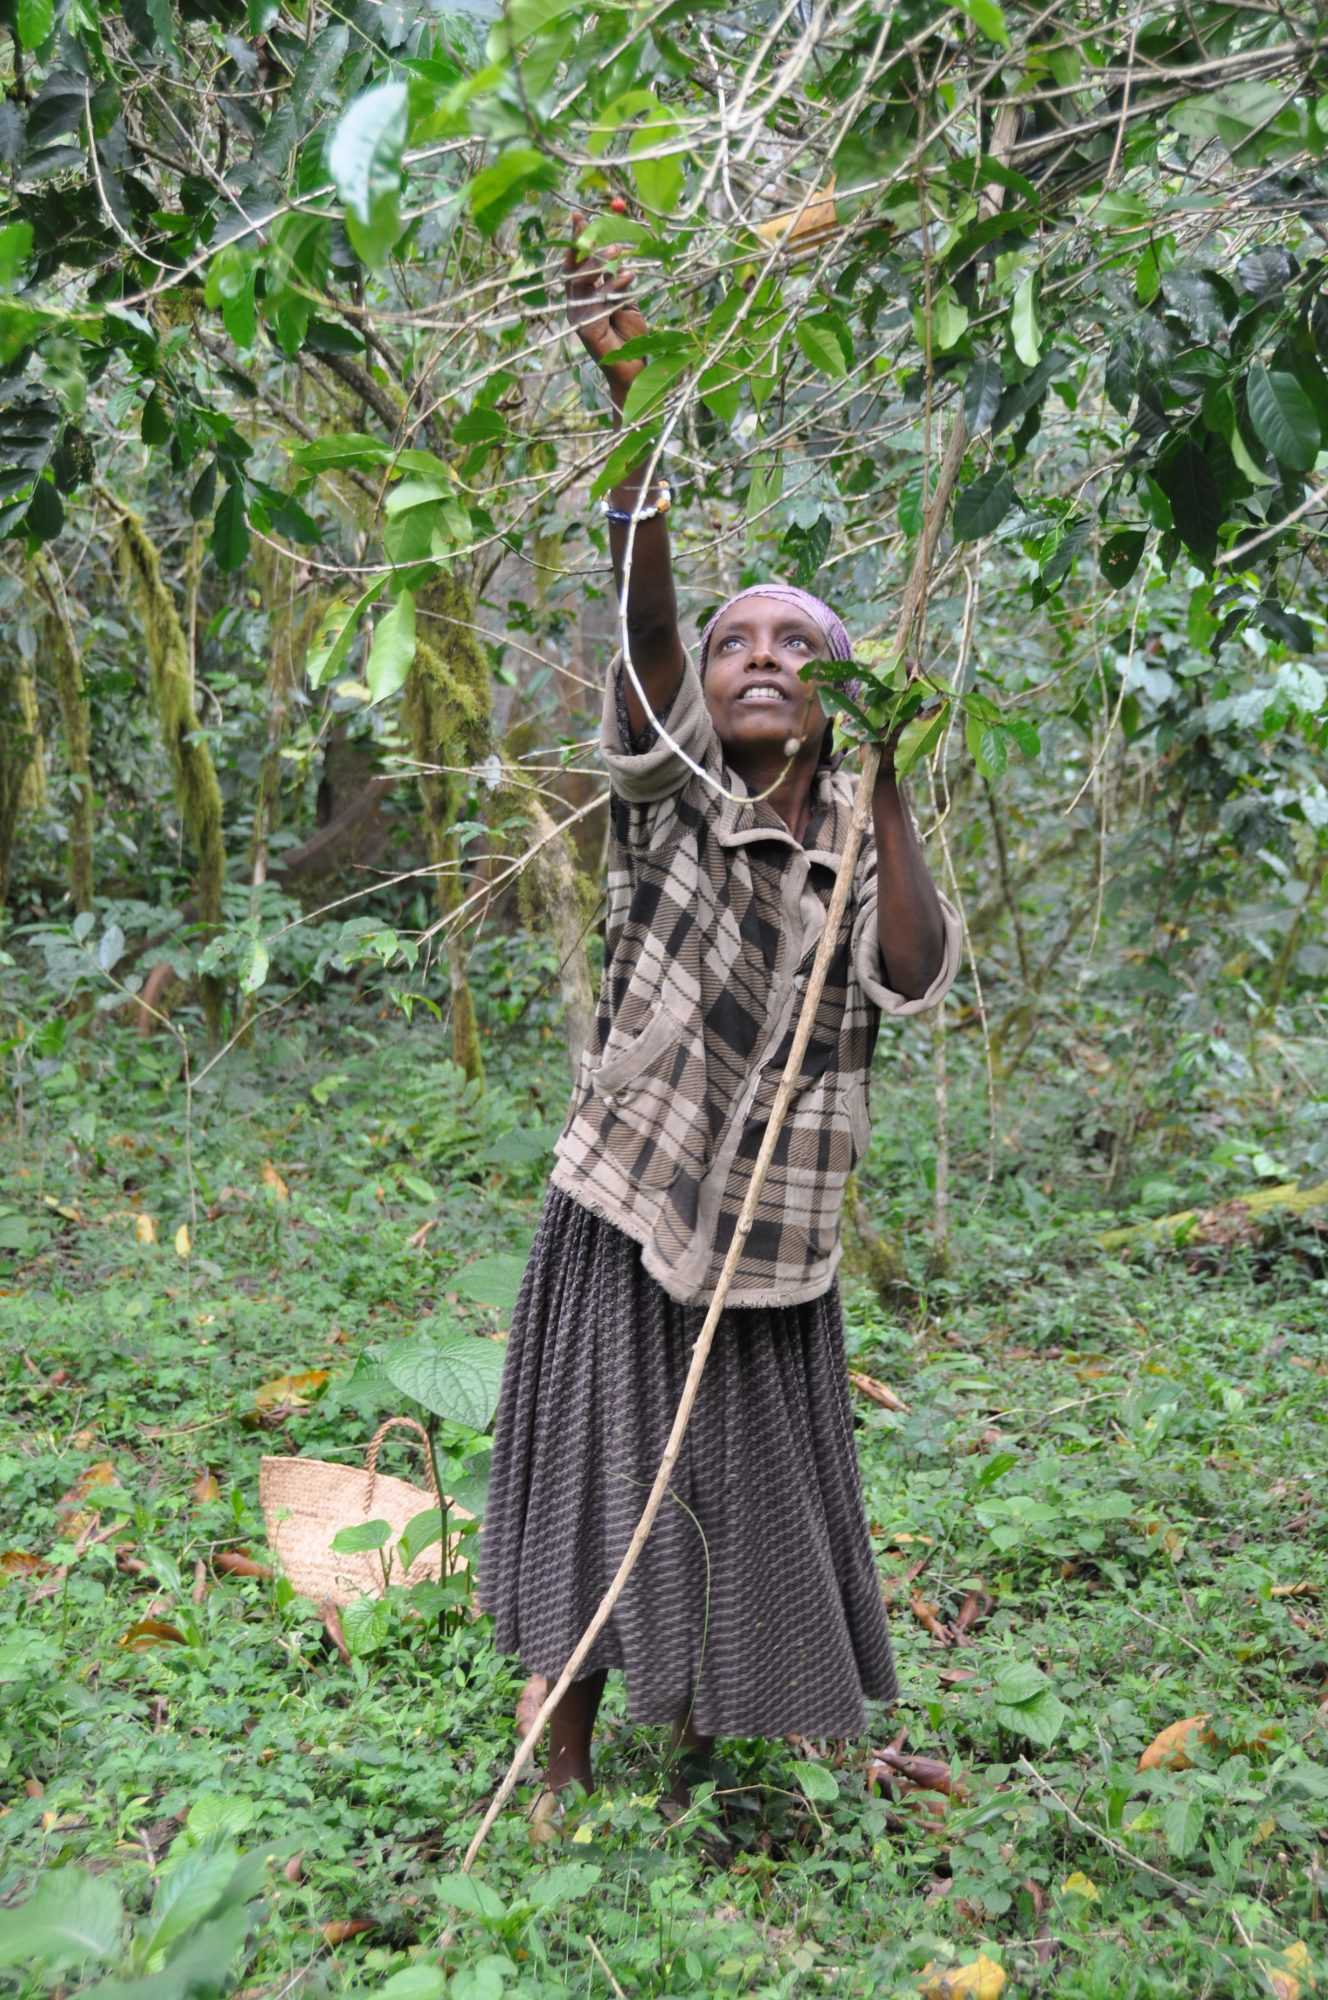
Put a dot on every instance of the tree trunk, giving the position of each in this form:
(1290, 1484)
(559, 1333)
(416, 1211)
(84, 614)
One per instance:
(16, 751)
(197, 792)
(447, 712)
(32, 792)
(67, 672)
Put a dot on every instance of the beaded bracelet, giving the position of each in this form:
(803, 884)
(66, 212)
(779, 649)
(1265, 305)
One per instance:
(626, 516)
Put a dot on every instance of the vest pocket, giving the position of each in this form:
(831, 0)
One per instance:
(624, 1065)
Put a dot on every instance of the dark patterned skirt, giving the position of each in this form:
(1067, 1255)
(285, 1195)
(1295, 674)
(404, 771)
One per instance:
(755, 1606)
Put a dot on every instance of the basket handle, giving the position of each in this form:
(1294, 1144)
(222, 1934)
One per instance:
(375, 1444)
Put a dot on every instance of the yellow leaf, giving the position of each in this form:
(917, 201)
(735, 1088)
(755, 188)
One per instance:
(818, 219)
(145, 1228)
(584, 1834)
(182, 1244)
(1285, 1973)
(1078, 1884)
(272, 1179)
(982, 1980)
(293, 1389)
(1169, 1751)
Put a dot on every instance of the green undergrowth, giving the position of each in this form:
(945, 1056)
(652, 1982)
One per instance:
(1116, 1465)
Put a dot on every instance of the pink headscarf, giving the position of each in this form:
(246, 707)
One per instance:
(836, 635)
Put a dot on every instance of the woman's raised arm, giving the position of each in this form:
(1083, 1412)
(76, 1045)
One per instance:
(604, 317)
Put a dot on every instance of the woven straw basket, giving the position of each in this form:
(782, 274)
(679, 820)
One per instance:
(307, 1501)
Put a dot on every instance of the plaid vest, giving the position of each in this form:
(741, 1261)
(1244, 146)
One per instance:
(714, 916)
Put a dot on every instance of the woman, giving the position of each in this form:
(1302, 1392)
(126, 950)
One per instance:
(755, 1609)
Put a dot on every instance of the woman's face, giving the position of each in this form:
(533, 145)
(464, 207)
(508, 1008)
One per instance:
(751, 677)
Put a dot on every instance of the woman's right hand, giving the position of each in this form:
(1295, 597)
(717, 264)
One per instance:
(602, 314)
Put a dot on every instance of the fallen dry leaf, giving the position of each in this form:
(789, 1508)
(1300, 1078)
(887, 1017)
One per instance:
(1295, 1590)
(290, 1391)
(975, 1609)
(17, 1562)
(145, 1227)
(272, 1179)
(33, 1788)
(332, 1625)
(238, 1562)
(294, 1869)
(982, 1980)
(925, 1774)
(1169, 1750)
(1285, 1974)
(182, 1243)
(205, 1488)
(544, 1823)
(877, 1392)
(149, 1632)
(929, 1618)
(343, 1928)
(201, 1585)
(69, 1509)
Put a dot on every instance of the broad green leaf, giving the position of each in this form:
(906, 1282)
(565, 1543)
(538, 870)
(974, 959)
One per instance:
(230, 530)
(1024, 333)
(1039, 1721)
(393, 649)
(420, 1533)
(470, 1895)
(366, 1624)
(194, 1887)
(230, 285)
(987, 746)
(630, 451)
(918, 738)
(566, 1883)
(154, 426)
(720, 390)
(817, 1782)
(820, 343)
(339, 449)
(364, 160)
(414, 1982)
(1120, 555)
(1283, 416)
(659, 182)
(1018, 1680)
(982, 393)
(499, 188)
(35, 20)
(328, 653)
(15, 250)
(492, 1281)
(299, 251)
(1182, 1827)
(988, 19)
(1188, 481)
(766, 483)
(454, 1375)
(256, 967)
(69, 1918)
(316, 71)
(983, 504)
(949, 321)
(653, 383)
(362, 1538)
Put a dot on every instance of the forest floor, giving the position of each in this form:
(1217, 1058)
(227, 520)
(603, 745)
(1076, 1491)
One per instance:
(1110, 1471)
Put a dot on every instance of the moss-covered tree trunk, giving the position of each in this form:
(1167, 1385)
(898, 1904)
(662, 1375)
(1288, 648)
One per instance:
(287, 632)
(16, 753)
(67, 673)
(447, 711)
(197, 792)
(33, 794)
(558, 899)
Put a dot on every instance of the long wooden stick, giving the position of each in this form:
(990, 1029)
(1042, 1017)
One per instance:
(914, 598)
